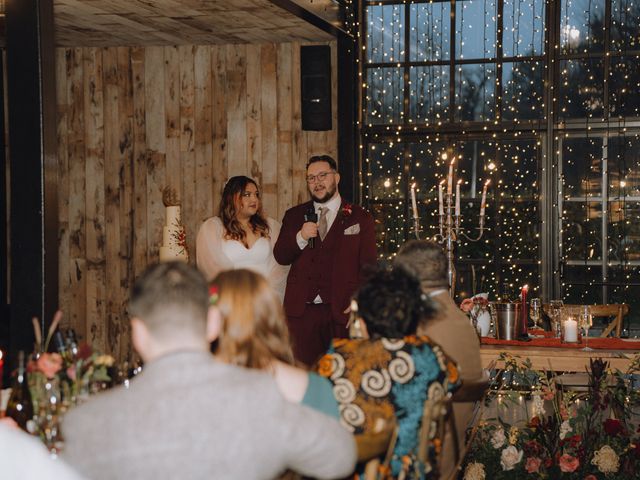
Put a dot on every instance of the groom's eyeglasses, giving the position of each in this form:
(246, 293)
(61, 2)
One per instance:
(319, 177)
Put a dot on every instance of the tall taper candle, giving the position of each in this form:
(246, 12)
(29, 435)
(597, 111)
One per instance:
(440, 194)
(458, 197)
(450, 178)
(483, 202)
(523, 295)
(414, 205)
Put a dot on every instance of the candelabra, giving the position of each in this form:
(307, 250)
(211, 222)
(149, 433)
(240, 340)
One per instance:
(449, 222)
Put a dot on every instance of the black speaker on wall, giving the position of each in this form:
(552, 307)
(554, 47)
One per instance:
(315, 70)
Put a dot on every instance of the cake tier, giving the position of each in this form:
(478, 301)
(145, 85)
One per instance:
(172, 216)
(170, 235)
(168, 254)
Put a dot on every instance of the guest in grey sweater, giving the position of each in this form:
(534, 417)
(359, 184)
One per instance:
(189, 416)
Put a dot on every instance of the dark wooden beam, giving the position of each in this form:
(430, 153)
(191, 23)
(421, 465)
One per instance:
(33, 219)
(347, 141)
(305, 11)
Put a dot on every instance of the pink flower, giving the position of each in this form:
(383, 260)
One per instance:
(466, 305)
(71, 372)
(532, 465)
(568, 463)
(49, 364)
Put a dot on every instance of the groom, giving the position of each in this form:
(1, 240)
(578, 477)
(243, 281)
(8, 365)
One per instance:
(327, 242)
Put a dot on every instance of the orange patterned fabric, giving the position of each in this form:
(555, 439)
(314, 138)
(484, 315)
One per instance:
(375, 381)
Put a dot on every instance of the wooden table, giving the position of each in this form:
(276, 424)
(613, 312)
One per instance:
(557, 359)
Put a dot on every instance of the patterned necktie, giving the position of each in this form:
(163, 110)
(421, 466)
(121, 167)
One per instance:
(322, 223)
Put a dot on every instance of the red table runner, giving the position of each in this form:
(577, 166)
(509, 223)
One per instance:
(548, 341)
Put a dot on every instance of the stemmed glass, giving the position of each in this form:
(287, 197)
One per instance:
(534, 312)
(555, 312)
(586, 321)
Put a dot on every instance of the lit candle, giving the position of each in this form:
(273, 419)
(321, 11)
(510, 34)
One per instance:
(440, 195)
(483, 202)
(523, 297)
(450, 178)
(571, 330)
(458, 197)
(414, 205)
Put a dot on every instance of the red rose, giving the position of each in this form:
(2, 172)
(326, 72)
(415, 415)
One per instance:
(85, 351)
(590, 477)
(347, 209)
(532, 465)
(613, 427)
(533, 447)
(568, 463)
(534, 422)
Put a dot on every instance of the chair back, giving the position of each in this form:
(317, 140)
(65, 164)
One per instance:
(614, 311)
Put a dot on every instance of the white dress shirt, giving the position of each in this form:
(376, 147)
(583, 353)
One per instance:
(333, 205)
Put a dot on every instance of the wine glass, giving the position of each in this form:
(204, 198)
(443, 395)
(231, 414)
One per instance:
(555, 312)
(534, 312)
(586, 321)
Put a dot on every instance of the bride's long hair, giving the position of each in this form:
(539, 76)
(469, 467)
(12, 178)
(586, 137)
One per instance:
(231, 202)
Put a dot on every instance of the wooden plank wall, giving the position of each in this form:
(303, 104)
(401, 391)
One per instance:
(132, 120)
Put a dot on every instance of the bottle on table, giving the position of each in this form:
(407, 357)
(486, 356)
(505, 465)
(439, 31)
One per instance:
(20, 406)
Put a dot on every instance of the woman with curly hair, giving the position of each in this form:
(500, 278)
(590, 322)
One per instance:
(389, 377)
(253, 334)
(241, 236)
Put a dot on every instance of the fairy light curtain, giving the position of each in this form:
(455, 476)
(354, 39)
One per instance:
(468, 78)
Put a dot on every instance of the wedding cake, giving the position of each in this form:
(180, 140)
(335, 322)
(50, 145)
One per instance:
(174, 235)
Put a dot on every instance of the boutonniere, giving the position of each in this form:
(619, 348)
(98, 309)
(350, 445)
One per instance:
(347, 209)
(214, 295)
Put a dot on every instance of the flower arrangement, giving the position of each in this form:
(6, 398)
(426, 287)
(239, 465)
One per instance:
(476, 307)
(473, 306)
(566, 435)
(72, 378)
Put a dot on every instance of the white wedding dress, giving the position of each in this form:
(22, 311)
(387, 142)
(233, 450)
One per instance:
(215, 254)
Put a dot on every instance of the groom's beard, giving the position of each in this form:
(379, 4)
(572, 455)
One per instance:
(324, 195)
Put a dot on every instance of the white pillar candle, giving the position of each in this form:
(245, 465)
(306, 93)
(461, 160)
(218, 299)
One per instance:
(440, 195)
(571, 330)
(483, 202)
(458, 197)
(414, 205)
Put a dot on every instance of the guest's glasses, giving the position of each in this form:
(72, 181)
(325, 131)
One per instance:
(555, 312)
(586, 321)
(534, 312)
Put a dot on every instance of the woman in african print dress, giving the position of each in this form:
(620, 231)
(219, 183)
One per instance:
(393, 373)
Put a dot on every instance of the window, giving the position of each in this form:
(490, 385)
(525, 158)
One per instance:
(537, 96)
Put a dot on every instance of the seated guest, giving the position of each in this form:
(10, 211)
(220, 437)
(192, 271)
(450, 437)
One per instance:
(392, 374)
(450, 328)
(254, 334)
(24, 456)
(188, 415)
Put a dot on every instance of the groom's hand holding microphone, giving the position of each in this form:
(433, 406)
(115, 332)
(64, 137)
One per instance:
(309, 230)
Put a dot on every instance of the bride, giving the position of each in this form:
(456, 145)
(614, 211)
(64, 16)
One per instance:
(241, 237)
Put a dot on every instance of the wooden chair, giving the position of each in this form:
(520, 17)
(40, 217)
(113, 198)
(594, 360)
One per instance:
(468, 392)
(430, 436)
(614, 311)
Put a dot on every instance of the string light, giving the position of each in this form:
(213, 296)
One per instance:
(481, 96)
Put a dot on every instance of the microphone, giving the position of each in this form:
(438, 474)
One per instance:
(311, 216)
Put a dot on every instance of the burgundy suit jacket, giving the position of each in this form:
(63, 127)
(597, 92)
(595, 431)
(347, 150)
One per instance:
(350, 253)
